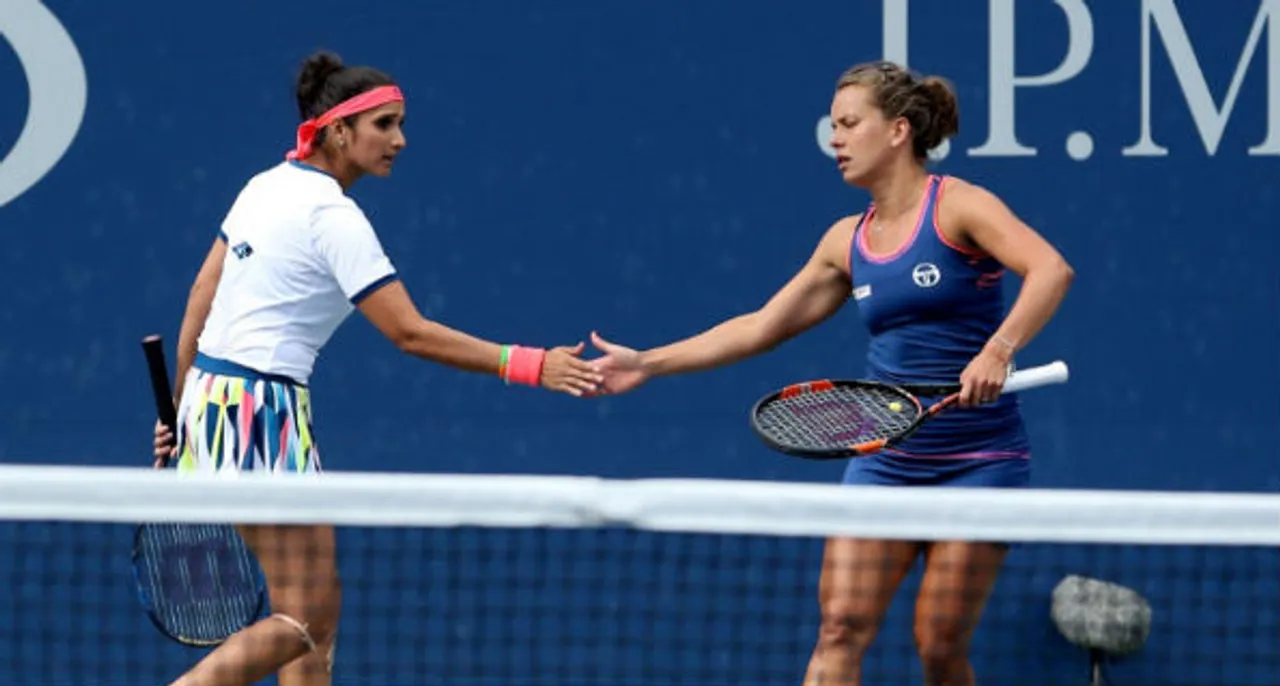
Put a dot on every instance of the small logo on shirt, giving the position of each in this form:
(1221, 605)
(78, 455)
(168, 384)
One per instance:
(926, 275)
(863, 291)
(242, 250)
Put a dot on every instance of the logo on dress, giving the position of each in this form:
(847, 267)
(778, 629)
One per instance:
(926, 275)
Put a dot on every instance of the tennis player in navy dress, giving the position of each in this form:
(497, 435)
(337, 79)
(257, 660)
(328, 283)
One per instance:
(924, 263)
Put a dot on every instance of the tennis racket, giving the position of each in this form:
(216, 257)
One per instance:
(198, 583)
(833, 419)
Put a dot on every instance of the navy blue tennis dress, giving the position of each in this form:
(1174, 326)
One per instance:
(930, 308)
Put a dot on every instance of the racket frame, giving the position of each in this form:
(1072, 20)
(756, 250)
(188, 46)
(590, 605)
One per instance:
(1025, 379)
(158, 371)
(147, 601)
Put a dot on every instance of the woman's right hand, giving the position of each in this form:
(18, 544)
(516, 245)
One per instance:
(563, 370)
(164, 445)
(621, 366)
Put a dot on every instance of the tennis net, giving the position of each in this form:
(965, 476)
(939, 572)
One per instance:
(563, 580)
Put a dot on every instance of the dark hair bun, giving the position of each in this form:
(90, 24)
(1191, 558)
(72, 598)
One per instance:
(315, 71)
(944, 108)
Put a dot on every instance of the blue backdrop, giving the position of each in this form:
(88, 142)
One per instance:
(649, 169)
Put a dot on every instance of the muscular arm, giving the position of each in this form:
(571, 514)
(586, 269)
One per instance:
(979, 218)
(199, 301)
(811, 296)
(391, 311)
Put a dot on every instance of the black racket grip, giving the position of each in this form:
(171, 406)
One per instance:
(153, 348)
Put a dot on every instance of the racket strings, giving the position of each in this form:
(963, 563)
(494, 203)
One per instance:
(837, 417)
(201, 579)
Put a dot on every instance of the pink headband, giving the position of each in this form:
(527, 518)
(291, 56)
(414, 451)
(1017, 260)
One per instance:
(365, 101)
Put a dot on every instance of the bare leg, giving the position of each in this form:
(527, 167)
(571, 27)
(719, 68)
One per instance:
(300, 567)
(957, 581)
(859, 578)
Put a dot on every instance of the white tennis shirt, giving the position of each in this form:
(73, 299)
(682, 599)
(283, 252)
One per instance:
(300, 256)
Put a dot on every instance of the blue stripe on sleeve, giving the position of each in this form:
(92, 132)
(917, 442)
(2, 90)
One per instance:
(368, 290)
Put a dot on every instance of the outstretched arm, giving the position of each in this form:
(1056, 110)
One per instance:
(347, 243)
(390, 309)
(811, 296)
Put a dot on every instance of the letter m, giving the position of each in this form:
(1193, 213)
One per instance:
(1210, 119)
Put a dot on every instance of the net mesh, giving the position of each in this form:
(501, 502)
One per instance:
(542, 580)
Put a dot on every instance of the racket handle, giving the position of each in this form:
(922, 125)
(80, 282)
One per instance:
(1034, 377)
(153, 348)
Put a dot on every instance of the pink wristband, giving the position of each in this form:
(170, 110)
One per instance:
(525, 365)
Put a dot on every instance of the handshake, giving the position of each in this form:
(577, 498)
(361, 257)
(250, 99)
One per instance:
(618, 370)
